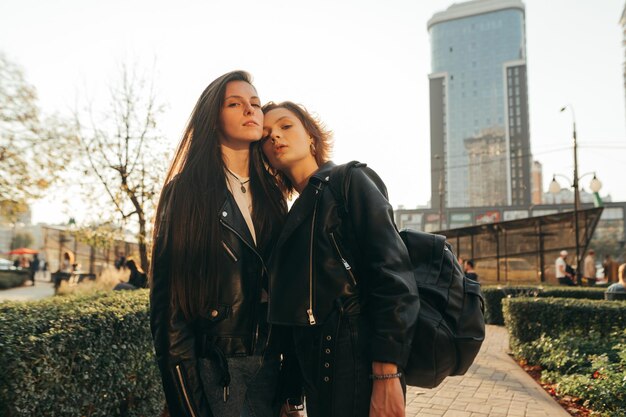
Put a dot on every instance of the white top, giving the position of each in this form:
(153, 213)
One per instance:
(560, 261)
(244, 200)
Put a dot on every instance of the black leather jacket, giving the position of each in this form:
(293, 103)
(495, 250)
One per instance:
(232, 326)
(324, 254)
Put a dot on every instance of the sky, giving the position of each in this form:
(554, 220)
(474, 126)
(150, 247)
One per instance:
(361, 65)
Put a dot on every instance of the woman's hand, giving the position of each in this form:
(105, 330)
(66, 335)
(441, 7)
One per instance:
(286, 411)
(387, 395)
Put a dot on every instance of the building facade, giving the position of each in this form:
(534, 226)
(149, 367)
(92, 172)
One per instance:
(623, 23)
(479, 95)
(609, 237)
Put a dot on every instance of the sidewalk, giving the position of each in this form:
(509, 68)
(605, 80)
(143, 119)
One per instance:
(495, 386)
(27, 292)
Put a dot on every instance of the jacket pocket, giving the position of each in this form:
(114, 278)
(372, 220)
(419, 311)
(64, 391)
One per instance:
(230, 251)
(343, 260)
(184, 392)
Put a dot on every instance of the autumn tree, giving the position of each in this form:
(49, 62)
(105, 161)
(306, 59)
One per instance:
(32, 147)
(21, 240)
(123, 156)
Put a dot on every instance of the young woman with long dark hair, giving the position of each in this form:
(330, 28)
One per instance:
(217, 218)
(340, 275)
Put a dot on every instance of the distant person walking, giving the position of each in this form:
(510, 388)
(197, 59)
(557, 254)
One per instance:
(610, 269)
(34, 268)
(563, 276)
(590, 267)
(468, 267)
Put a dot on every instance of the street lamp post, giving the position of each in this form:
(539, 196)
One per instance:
(595, 185)
(575, 186)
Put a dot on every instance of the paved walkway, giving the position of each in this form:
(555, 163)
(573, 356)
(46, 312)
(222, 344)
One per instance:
(27, 292)
(495, 386)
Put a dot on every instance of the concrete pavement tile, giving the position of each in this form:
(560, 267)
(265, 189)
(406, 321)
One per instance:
(500, 403)
(516, 412)
(511, 384)
(419, 401)
(471, 383)
(441, 401)
(518, 404)
(498, 376)
(478, 408)
(432, 413)
(447, 394)
(457, 413)
(538, 414)
(458, 405)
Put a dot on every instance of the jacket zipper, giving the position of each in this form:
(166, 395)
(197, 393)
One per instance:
(229, 251)
(182, 386)
(309, 311)
(343, 260)
(256, 331)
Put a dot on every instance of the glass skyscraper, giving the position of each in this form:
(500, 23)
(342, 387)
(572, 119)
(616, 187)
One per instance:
(480, 146)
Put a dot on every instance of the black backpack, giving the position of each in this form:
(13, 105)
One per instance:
(450, 326)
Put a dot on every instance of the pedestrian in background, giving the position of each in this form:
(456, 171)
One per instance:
(610, 269)
(469, 270)
(34, 268)
(589, 268)
(564, 273)
(620, 285)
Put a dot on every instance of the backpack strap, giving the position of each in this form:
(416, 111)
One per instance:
(338, 184)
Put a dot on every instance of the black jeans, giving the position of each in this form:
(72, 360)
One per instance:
(335, 364)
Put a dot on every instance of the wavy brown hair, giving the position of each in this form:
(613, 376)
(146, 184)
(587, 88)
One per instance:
(322, 138)
(187, 234)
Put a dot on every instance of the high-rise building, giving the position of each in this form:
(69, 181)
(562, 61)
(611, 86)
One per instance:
(480, 139)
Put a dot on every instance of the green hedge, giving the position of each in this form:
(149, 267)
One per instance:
(583, 365)
(79, 356)
(13, 278)
(495, 294)
(527, 319)
(587, 293)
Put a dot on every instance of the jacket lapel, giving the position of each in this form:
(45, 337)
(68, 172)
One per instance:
(231, 216)
(304, 205)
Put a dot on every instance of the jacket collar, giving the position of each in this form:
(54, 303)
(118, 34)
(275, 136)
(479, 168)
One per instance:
(305, 203)
(231, 216)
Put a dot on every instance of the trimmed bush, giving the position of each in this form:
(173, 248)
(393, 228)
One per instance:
(13, 278)
(588, 293)
(527, 319)
(495, 294)
(79, 356)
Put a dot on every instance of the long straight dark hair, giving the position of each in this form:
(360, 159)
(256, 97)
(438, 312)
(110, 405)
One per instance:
(187, 227)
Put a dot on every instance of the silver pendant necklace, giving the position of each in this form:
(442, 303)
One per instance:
(241, 183)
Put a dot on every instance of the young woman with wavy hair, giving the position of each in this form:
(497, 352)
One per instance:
(340, 275)
(217, 219)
